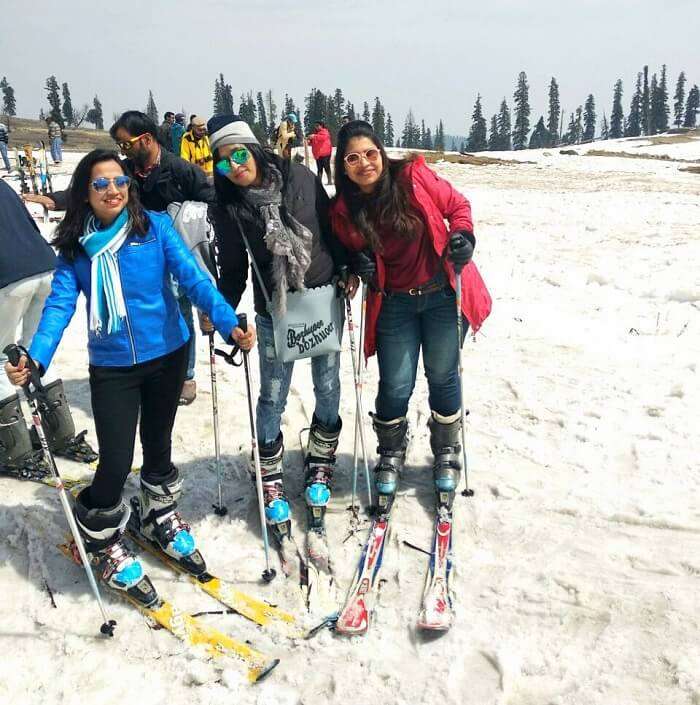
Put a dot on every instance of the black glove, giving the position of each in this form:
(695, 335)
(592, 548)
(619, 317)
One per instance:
(460, 249)
(362, 263)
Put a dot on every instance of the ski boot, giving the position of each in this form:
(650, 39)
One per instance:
(277, 511)
(102, 530)
(59, 428)
(445, 436)
(318, 470)
(392, 438)
(156, 519)
(17, 455)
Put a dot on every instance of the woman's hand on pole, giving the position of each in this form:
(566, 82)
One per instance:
(19, 376)
(205, 325)
(245, 341)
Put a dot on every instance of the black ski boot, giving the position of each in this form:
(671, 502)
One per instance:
(59, 428)
(156, 519)
(445, 442)
(277, 511)
(318, 470)
(102, 530)
(392, 438)
(17, 455)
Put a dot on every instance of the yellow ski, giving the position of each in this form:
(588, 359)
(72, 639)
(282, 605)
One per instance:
(227, 594)
(193, 633)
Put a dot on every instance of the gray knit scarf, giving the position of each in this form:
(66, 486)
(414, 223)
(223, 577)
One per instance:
(290, 245)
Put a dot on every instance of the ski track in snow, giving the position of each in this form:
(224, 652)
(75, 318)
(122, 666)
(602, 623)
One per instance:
(577, 563)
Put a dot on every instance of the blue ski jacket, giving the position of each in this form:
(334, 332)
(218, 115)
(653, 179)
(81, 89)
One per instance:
(154, 326)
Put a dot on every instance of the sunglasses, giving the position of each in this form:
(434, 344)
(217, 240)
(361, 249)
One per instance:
(238, 156)
(102, 183)
(126, 145)
(353, 159)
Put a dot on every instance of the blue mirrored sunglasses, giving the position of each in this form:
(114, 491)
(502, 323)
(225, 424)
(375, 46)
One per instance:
(102, 183)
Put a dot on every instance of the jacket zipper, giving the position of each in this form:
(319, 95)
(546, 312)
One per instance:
(128, 323)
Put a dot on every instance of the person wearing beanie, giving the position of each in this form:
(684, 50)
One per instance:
(281, 209)
(195, 146)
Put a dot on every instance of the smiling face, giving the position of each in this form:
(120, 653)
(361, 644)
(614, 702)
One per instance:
(242, 175)
(108, 204)
(367, 171)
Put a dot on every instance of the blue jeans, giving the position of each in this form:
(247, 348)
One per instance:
(57, 149)
(3, 152)
(186, 311)
(276, 376)
(407, 323)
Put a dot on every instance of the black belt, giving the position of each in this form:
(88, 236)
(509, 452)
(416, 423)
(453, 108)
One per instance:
(436, 284)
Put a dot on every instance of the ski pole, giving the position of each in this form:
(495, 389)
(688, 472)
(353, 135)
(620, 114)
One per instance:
(358, 421)
(14, 352)
(359, 413)
(458, 298)
(269, 573)
(219, 508)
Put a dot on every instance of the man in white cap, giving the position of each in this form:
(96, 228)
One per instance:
(195, 146)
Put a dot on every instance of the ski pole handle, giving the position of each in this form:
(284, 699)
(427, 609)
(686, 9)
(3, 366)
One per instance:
(13, 354)
(243, 322)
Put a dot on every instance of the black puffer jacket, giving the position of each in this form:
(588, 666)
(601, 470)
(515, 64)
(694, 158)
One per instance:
(305, 198)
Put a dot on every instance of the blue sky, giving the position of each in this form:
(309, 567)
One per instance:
(433, 57)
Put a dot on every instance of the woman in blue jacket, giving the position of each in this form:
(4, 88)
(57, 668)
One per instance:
(121, 257)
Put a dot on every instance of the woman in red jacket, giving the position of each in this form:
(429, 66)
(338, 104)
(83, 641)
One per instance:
(322, 148)
(391, 214)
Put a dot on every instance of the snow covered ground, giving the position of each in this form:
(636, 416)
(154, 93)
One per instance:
(577, 572)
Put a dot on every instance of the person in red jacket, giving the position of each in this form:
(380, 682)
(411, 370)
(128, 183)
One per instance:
(391, 215)
(322, 148)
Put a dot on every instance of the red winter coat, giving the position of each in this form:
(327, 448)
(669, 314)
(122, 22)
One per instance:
(437, 201)
(321, 145)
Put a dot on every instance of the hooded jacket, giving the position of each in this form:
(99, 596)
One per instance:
(321, 144)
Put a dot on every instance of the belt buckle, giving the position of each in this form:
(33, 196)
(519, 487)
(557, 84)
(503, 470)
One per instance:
(415, 291)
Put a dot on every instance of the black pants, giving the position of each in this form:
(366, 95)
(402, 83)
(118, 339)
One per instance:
(117, 394)
(324, 164)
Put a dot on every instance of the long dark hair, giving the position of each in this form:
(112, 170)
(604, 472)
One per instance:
(389, 205)
(72, 227)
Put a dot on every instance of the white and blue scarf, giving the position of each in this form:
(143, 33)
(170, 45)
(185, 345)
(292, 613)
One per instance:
(107, 306)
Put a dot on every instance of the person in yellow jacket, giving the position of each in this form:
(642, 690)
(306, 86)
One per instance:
(286, 135)
(195, 146)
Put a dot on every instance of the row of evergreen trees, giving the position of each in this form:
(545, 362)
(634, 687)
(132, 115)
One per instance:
(649, 114)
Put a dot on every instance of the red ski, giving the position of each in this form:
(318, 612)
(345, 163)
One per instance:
(436, 612)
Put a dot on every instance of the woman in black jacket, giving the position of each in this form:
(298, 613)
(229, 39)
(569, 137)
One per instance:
(281, 209)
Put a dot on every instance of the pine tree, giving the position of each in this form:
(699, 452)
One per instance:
(440, 137)
(262, 116)
(554, 113)
(421, 138)
(617, 117)
(653, 108)
(494, 140)
(679, 100)
(226, 97)
(94, 115)
(365, 112)
(67, 108)
(691, 107)
(504, 128)
(54, 100)
(634, 120)
(477, 134)
(350, 111)
(9, 104)
(409, 131)
(589, 119)
(336, 110)
(151, 109)
(271, 110)
(540, 135)
(289, 106)
(579, 124)
(389, 142)
(659, 103)
(522, 112)
(645, 102)
(217, 99)
(570, 135)
(378, 120)
(314, 109)
(604, 128)
(428, 144)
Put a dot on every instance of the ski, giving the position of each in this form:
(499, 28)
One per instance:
(355, 617)
(226, 593)
(192, 632)
(436, 613)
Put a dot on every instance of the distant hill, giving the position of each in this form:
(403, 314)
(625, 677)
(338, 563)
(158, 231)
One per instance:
(24, 131)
